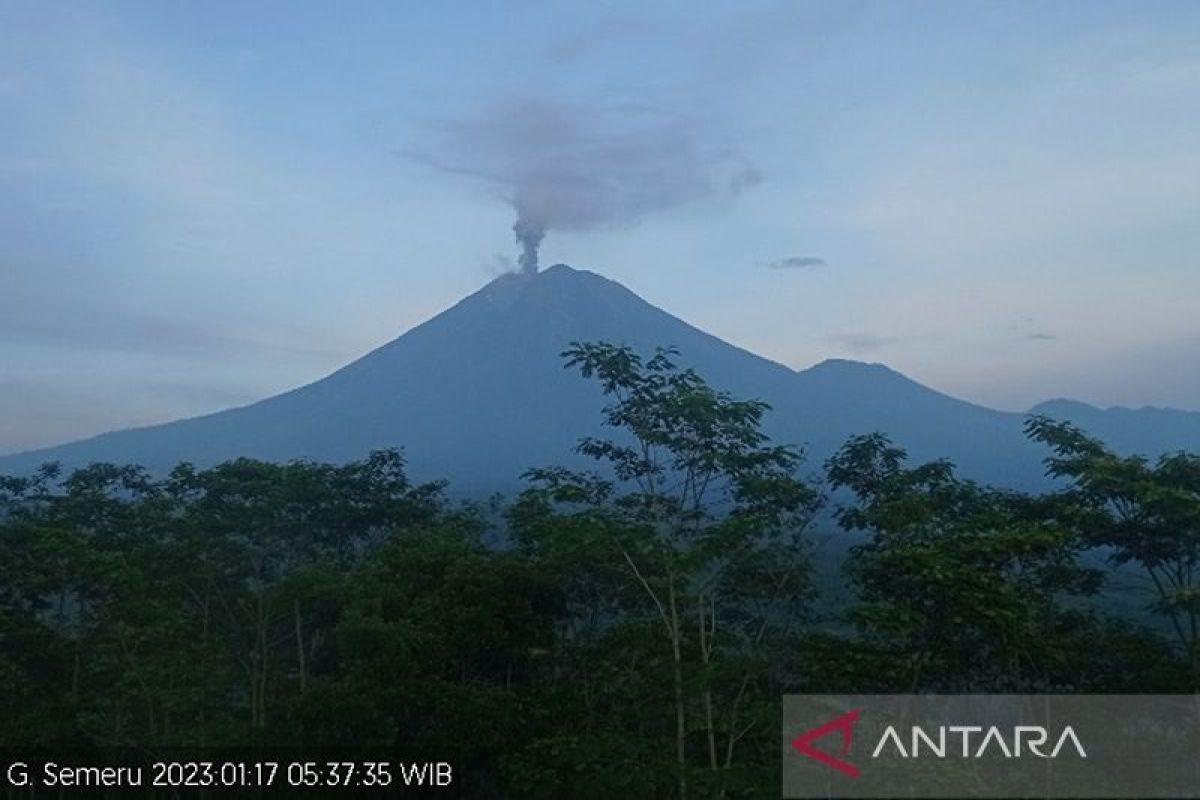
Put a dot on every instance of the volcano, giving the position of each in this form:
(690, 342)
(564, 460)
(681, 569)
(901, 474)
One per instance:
(478, 394)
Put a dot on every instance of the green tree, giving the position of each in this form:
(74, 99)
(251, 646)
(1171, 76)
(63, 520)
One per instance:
(259, 543)
(962, 580)
(437, 647)
(1142, 513)
(700, 518)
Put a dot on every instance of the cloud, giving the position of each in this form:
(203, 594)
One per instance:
(78, 326)
(1029, 329)
(864, 342)
(797, 262)
(571, 167)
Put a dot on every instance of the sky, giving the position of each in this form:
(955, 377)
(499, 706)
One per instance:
(205, 204)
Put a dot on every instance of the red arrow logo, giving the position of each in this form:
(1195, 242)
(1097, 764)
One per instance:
(845, 724)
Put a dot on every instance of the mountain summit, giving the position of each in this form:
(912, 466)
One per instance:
(478, 394)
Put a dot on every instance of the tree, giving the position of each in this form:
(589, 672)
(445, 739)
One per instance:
(435, 652)
(962, 580)
(701, 518)
(1144, 514)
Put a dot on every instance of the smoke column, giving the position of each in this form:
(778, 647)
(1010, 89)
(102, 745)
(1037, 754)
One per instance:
(564, 167)
(529, 236)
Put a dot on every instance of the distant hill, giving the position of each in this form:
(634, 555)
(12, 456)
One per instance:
(478, 394)
(1132, 430)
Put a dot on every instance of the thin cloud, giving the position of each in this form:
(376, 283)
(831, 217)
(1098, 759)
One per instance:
(797, 262)
(864, 342)
(1030, 329)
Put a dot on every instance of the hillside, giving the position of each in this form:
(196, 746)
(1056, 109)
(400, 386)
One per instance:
(477, 394)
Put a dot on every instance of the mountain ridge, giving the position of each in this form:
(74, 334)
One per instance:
(477, 394)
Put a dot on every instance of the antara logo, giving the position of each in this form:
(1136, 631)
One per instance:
(845, 725)
(966, 741)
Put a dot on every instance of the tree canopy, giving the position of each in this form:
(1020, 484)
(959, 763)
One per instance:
(626, 630)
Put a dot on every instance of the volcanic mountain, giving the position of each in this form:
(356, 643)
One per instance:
(478, 394)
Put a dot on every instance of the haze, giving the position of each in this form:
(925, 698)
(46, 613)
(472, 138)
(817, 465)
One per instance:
(203, 206)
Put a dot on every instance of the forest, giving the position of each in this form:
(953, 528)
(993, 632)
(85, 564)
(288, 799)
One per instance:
(627, 631)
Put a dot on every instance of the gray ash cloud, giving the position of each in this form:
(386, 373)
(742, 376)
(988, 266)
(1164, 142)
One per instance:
(565, 167)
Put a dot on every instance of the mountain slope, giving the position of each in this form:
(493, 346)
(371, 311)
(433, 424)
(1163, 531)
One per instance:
(478, 394)
(1129, 430)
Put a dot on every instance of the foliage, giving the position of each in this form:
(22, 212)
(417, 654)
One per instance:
(631, 636)
(1139, 513)
(693, 534)
(965, 581)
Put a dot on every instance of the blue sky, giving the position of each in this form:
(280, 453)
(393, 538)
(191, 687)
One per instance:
(204, 204)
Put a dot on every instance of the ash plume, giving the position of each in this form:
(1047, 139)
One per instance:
(570, 168)
(529, 236)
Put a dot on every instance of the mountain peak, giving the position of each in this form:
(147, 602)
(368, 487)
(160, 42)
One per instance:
(850, 364)
(478, 395)
(557, 274)
(842, 369)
